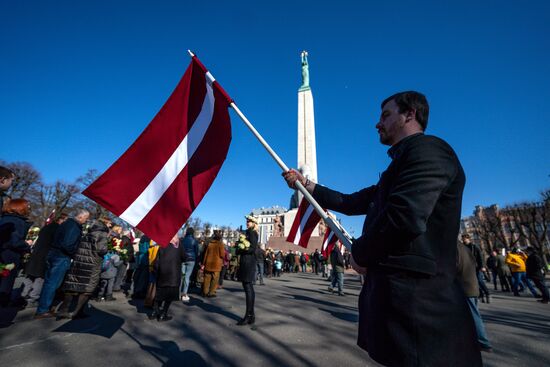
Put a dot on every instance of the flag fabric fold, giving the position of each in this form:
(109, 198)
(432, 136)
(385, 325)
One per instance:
(304, 223)
(329, 241)
(162, 177)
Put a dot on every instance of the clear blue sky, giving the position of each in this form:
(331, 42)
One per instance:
(79, 81)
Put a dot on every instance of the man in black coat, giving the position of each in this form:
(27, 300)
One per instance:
(412, 310)
(535, 271)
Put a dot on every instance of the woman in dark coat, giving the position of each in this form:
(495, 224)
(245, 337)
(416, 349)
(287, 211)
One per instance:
(14, 225)
(247, 268)
(167, 268)
(82, 278)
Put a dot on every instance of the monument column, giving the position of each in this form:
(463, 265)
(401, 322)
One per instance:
(307, 153)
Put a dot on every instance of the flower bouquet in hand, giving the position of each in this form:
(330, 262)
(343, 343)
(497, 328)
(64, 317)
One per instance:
(115, 245)
(5, 269)
(242, 243)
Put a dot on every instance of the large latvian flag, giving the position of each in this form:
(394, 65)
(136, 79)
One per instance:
(158, 182)
(329, 241)
(304, 223)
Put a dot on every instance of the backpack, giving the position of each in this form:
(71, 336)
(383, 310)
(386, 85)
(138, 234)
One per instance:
(106, 261)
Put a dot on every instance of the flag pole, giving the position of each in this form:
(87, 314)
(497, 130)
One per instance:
(344, 237)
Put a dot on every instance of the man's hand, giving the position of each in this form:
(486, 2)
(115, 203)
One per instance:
(361, 270)
(291, 176)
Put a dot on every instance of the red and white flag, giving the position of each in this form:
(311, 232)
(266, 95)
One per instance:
(329, 241)
(158, 182)
(304, 223)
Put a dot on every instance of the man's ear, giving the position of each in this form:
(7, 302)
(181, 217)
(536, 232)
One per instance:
(410, 115)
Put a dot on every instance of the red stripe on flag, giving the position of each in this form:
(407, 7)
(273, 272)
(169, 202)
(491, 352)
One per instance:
(137, 167)
(152, 185)
(329, 241)
(305, 231)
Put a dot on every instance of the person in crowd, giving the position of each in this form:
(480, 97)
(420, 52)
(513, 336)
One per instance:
(233, 262)
(278, 264)
(260, 258)
(323, 265)
(247, 268)
(225, 265)
(534, 267)
(152, 286)
(504, 273)
(6, 179)
(480, 268)
(297, 255)
(168, 272)
(516, 262)
(290, 258)
(316, 262)
(269, 258)
(36, 267)
(14, 226)
(492, 266)
(109, 270)
(141, 275)
(407, 246)
(122, 269)
(468, 275)
(82, 279)
(212, 263)
(64, 246)
(303, 262)
(347, 259)
(337, 275)
(191, 248)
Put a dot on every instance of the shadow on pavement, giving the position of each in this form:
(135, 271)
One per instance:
(346, 316)
(175, 357)
(99, 323)
(208, 307)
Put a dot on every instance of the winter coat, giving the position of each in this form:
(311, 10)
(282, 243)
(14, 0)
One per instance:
(191, 247)
(66, 238)
(412, 309)
(36, 267)
(83, 275)
(535, 267)
(214, 256)
(478, 255)
(110, 264)
(516, 262)
(466, 271)
(502, 268)
(13, 233)
(337, 260)
(168, 265)
(247, 268)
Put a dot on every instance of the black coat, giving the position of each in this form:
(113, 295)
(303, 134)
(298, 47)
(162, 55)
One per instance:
(534, 267)
(168, 265)
(412, 309)
(83, 276)
(36, 267)
(247, 267)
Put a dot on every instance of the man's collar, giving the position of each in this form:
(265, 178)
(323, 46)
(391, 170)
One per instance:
(396, 150)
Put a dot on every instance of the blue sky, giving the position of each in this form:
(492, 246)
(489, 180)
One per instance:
(81, 80)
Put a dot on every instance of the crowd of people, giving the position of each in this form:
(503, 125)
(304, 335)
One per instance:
(73, 260)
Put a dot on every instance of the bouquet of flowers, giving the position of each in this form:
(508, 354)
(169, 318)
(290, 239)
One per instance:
(115, 245)
(5, 269)
(242, 243)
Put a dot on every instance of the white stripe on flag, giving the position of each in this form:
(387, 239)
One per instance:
(303, 223)
(327, 241)
(175, 164)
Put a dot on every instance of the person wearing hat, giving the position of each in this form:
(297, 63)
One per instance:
(247, 269)
(212, 264)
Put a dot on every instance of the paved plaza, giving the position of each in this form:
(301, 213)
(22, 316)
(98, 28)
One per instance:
(299, 323)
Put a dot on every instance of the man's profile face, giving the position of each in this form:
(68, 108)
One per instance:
(391, 124)
(5, 183)
(83, 218)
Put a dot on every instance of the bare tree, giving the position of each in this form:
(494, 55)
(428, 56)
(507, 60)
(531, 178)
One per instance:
(27, 180)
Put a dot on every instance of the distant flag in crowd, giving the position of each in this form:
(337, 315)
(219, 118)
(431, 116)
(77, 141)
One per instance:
(305, 221)
(329, 241)
(162, 177)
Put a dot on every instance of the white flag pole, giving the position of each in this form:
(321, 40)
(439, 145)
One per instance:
(344, 237)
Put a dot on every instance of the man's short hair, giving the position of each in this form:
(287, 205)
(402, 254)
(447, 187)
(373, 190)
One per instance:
(6, 172)
(411, 100)
(80, 211)
(190, 231)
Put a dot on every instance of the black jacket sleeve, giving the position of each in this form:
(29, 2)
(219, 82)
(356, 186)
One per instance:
(422, 173)
(349, 204)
